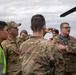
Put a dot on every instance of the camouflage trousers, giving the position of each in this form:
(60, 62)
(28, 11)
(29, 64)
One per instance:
(70, 73)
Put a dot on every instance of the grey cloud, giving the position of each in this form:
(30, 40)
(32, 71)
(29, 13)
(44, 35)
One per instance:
(22, 11)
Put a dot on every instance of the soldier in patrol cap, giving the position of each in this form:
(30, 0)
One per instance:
(67, 45)
(11, 48)
(23, 36)
(38, 56)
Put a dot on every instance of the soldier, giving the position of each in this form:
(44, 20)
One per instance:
(11, 48)
(38, 56)
(23, 36)
(23, 32)
(55, 32)
(67, 45)
(3, 36)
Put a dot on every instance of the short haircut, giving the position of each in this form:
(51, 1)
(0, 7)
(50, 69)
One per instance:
(2, 25)
(62, 24)
(37, 22)
(56, 31)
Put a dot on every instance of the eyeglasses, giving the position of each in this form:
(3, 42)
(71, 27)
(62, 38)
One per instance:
(66, 27)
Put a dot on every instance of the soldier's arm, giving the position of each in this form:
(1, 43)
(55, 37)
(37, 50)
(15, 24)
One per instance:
(56, 40)
(57, 60)
(71, 48)
(5, 50)
(4, 45)
(67, 48)
(48, 30)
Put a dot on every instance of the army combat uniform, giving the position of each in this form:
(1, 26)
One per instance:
(40, 57)
(69, 54)
(11, 49)
(21, 38)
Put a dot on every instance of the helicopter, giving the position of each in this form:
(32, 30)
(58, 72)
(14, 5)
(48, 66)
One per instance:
(68, 12)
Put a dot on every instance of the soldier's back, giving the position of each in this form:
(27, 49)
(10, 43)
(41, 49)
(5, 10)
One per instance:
(37, 57)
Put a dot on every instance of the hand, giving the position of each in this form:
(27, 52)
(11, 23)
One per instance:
(48, 30)
(61, 47)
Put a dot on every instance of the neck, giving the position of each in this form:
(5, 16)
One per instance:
(11, 37)
(64, 35)
(38, 34)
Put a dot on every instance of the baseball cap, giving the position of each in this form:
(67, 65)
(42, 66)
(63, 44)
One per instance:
(13, 24)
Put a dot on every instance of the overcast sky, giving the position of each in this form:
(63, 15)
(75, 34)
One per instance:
(21, 11)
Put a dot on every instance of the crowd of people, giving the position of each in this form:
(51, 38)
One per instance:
(33, 54)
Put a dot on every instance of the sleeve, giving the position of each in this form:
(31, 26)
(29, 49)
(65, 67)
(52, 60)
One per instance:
(71, 48)
(57, 60)
(22, 51)
(5, 50)
(56, 40)
(4, 45)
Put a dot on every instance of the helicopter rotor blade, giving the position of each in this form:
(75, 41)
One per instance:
(68, 12)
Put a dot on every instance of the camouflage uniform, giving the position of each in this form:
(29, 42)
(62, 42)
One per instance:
(12, 52)
(40, 57)
(21, 39)
(69, 54)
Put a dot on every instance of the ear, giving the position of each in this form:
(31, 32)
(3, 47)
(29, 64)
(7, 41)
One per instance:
(0, 31)
(9, 31)
(31, 27)
(44, 26)
(60, 29)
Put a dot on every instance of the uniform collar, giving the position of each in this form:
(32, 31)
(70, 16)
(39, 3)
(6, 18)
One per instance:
(68, 36)
(36, 37)
(11, 41)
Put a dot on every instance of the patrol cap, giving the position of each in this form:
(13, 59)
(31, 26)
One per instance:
(13, 24)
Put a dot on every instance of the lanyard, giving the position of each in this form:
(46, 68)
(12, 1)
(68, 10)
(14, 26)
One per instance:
(64, 41)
